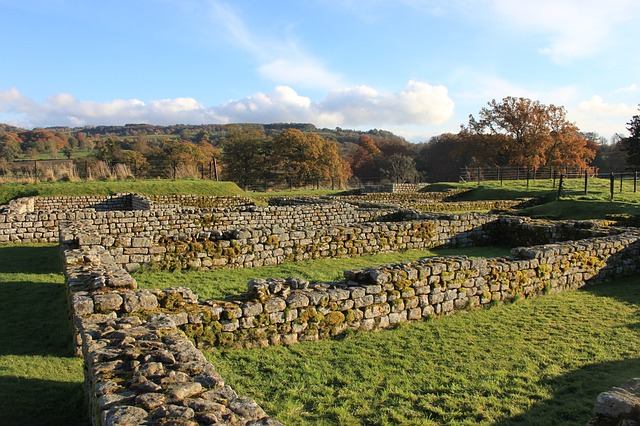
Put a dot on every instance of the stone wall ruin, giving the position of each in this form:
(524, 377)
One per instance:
(140, 346)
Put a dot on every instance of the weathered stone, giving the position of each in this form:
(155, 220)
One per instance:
(247, 408)
(107, 302)
(275, 304)
(619, 404)
(121, 416)
(150, 401)
(184, 390)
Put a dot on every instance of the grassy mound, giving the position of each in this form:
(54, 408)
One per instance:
(9, 191)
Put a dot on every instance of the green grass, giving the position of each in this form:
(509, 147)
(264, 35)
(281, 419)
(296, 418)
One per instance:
(9, 191)
(263, 197)
(539, 362)
(219, 283)
(40, 380)
(573, 204)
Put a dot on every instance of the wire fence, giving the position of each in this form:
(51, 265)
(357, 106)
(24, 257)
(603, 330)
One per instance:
(567, 180)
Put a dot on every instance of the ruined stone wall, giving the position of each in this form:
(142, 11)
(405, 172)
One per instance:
(35, 219)
(202, 201)
(141, 369)
(286, 311)
(178, 243)
(393, 188)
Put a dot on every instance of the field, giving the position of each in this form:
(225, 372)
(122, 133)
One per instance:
(539, 361)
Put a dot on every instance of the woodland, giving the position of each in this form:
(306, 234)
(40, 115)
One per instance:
(512, 132)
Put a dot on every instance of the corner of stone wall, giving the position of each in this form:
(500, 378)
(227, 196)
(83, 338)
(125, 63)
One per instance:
(139, 367)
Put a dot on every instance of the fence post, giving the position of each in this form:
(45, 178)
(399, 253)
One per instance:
(635, 181)
(478, 176)
(621, 175)
(528, 178)
(560, 187)
(175, 169)
(500, 175)
(611, 184)
(586, 182)
(35, 171)
(215, 168)
(554, 179)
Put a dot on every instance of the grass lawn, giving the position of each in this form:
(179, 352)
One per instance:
(540, 361)
(40, 379)
(9, 191)
(217, 284)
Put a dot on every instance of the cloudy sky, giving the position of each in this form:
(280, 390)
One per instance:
(414, 67)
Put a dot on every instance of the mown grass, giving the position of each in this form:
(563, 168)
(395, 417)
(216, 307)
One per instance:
(40, 379)
(539, 362)
(219, 283)
(9, 190)
(573, 203)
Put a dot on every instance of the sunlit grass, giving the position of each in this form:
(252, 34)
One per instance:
(539, 361)
(9, 191)
(218, 283)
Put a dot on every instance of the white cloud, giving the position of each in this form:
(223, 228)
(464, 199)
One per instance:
(597, 105)
(280, 58)
(417, 105)
(305, 72)
(576, 28)
(597, 115)
(628, 89)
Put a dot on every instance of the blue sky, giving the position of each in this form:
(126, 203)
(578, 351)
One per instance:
(414, 67)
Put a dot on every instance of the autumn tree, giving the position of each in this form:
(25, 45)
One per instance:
(631, 144)
(42, 140)
(305, 158)
(399, 168)
(245, 154)
(363, 158)
(567, 147)
(10, 147)
(522, 132)
(440, 159)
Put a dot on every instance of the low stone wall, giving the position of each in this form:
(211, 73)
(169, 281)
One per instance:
(286, 311)
(136, 243)
(393, 188)
(202, 201)
(36, 219)
(141, 369)
(402, 198)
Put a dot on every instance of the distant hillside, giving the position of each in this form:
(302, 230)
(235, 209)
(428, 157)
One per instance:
(214, 133)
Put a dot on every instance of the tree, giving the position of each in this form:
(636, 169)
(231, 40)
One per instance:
(68, 151)
(631, 144)
(9, 147)
(522, 132)
(245, 154)
(306, 157)
(399, 168)
(364, 157)
(440, 159)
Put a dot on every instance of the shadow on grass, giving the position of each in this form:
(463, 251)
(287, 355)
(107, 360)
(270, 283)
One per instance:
(42, 259)
(575, 394)
(625, 289)
(33, 307)
(41, 402)
(34, 320)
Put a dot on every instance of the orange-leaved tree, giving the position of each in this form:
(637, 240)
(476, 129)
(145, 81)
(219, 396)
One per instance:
(527, 133)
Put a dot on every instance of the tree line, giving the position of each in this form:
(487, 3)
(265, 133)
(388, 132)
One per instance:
(510, 132)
